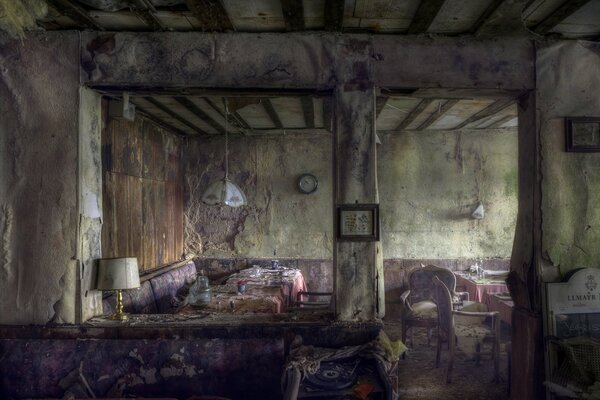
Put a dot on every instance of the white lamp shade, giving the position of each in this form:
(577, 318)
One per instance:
(225, 192)
(118, 273)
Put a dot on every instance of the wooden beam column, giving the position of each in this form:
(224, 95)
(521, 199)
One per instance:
(356, 271)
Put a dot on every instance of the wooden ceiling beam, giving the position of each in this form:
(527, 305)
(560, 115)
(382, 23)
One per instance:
(272, 113)
(174, 115)
(380, 103)
(211, 14)
(145, 10)
(414, 113)
(426, 13)
(76, 13)
(492, 109)
(293, 15)
(160, 122)
(194, 109)
(567, 8)
(438, 114)
(230, 118)
(309, 111)
(501, 121)
(334, 15)
(485, 16)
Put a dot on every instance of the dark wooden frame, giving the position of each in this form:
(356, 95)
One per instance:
(373, 236)
(570, 144)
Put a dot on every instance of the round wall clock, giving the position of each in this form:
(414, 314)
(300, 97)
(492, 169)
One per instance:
(307, 183)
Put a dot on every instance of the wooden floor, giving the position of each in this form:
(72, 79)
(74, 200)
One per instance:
(419, 378)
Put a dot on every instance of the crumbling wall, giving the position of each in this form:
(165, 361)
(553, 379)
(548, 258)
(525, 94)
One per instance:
(430, 183)
(277, 217)
(38, 178)
(568, 86)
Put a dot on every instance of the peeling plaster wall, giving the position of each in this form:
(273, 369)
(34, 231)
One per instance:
(277, 216)
(431, 181)
(39, 92)
(568, 85)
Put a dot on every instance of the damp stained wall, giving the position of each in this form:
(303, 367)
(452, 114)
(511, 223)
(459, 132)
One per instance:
(431, 181)
(568, 86)
(39, 99)
(277, 217)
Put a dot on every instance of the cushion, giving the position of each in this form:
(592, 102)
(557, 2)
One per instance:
(170, 287)
(424, 310)
(142, 299)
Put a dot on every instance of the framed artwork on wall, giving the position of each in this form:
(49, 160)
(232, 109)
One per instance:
(358, 222)
(582, 134)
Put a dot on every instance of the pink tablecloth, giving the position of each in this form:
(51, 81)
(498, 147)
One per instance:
(478, 291)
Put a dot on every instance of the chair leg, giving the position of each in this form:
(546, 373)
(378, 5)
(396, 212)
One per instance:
(496, 354)
(438, 351)
(451, 345)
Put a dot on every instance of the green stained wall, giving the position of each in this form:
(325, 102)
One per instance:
(430, 183)
(570, 181)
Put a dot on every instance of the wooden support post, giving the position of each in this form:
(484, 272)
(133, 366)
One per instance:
(356, 263)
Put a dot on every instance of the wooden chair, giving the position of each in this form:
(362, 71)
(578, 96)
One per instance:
(447, 328)
(419, 309)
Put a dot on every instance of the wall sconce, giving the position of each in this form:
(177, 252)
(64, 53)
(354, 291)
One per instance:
(118, 274)
(479, 212)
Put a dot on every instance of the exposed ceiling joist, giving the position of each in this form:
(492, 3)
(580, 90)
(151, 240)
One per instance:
(211, 14)
(492, 109)
(174, 115)
(414, 114)
(75, 12)
(159, 121)
(145, 10)
(190, 106)
(293, 15)
(334, 15)
(486, 15)
(230, 118)
(309, 111)
(501, 121)
(567, 8)
(380, 103)
(426, 13)
(438, 114)
(328, 114)
(272, 113)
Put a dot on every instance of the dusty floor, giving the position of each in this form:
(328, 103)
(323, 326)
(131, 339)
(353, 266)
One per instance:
(419, 378)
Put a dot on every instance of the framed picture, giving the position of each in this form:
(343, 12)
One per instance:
(358, 222)
(582, 134)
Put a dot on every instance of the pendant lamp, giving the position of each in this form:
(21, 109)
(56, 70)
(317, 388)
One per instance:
(224, 191)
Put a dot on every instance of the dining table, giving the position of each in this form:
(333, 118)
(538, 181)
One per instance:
(493, 292)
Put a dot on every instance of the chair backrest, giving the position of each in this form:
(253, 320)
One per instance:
(443, 300)
(420, 282)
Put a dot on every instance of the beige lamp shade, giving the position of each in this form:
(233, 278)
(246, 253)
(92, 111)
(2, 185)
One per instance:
(118, 273)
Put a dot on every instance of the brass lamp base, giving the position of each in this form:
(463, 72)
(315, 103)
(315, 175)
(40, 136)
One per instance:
(119, 315)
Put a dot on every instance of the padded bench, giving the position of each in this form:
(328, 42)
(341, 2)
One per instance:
(159, 295)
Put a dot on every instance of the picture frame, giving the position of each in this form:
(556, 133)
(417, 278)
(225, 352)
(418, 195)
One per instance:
(358, 222)
(582, 134)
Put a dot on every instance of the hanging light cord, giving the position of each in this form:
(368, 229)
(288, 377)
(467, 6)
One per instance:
(226, 148)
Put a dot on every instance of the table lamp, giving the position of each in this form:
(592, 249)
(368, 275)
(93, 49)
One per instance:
(118, 274)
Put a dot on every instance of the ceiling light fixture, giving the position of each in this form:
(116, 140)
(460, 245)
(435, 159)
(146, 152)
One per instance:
(224, 191)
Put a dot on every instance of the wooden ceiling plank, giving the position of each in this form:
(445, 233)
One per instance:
(174, 115)
(160, 122)
(492, 109)
(230, 118)
(211, 14)
(426, 13)
(75, 12)
(438, 114)
(309, 111)
(334, 15)
(567, 8)
(272, 113)
(415, 112)
(194, 109)
(485, 16)
(380, 105)
(501, 121)
(293, 15)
